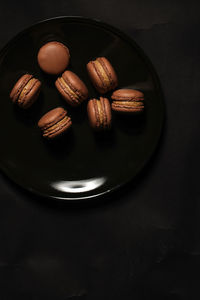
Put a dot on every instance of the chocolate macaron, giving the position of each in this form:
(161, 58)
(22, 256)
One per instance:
(102, 75)
(54, 123)
(26, 91)
(128, 100)
(53, 57)
(99, 113)
(72, 88)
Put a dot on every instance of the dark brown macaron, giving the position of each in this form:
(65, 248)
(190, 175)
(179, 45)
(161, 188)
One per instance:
(72, 88)
(53, 58)
(54, 123)
(99, 113)
(102, 75)
(26, 91)
(127, 100)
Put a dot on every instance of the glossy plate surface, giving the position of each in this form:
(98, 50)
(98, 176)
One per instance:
(81, 164)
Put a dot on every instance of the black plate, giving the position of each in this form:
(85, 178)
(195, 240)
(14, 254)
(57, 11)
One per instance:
(80, 165)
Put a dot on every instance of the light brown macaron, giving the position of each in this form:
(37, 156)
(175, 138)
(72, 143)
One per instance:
(99, 113)
(128, 100)
(54, 123)
(26, 91)
(72, 88)
(53, 57)
(102, 75)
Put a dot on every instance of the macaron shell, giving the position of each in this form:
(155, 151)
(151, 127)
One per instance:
(58, 131)
(31, 94)
(52, 117)
(95, 78)
(53, 57)
(127, 94)
(65, 94)
(76, 84)
(18, 87)
(110, 71)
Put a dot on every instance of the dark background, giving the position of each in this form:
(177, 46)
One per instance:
(143, 241)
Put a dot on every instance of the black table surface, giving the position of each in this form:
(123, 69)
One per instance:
(143, 241)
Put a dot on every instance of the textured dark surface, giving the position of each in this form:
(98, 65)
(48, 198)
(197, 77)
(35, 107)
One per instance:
(145, 240)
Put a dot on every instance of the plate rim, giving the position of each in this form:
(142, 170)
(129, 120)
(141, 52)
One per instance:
(159, 90)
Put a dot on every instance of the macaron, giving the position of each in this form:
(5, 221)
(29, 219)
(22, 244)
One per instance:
(71, 88)
(54, 123)
(102, 75)
(128, 100)
(99, 113)
(53, 57)
(26, 91)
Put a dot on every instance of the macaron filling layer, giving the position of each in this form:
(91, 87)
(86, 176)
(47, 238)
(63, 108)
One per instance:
(100, 112)
(69, 90)
(124, 98)
(14, 95)
(26, 89)
(71, 95)
(60, 124)
(103, 73)
(128, 103)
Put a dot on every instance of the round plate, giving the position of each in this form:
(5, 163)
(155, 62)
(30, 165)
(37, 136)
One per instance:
(82, 164)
